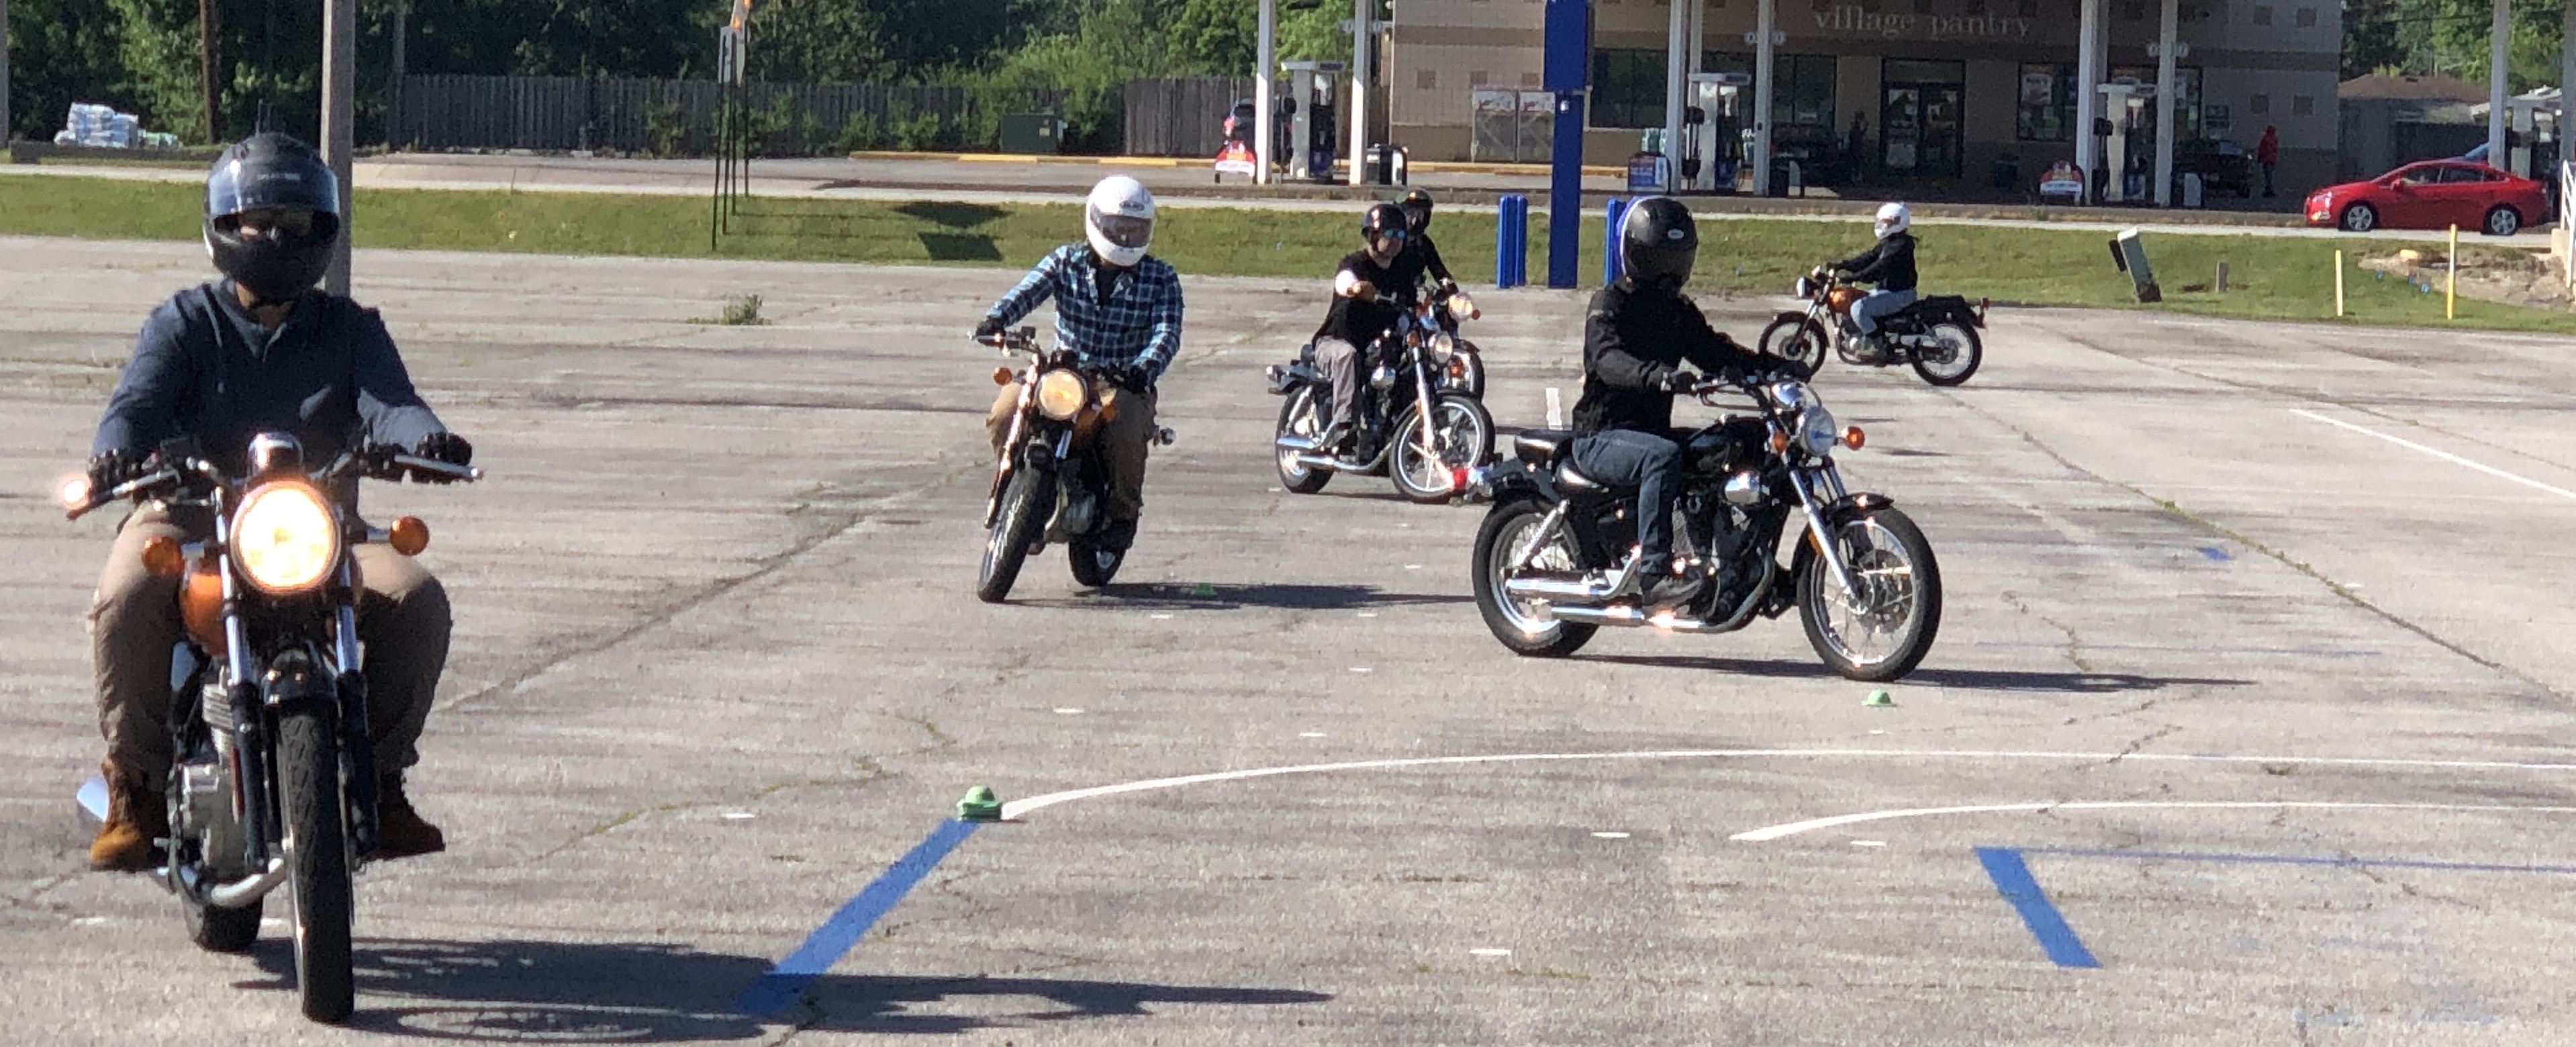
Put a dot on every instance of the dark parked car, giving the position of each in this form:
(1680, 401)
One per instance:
(2223, 166)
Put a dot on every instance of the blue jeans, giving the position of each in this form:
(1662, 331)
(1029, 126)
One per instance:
(1865, 313)
(1652, 465)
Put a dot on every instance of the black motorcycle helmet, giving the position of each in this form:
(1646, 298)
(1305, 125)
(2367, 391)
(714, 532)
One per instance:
(1380, 220)
(271, 172)
(1658, 242)
(1417, 210)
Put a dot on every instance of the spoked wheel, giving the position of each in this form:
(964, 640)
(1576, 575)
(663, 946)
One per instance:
(1464, 436)
(1092, 565)
(1796, 339)
(1949, 353)
(317, 856)
(1302, 416)
(1524, 625)
(1882, 630)
(1026, 503)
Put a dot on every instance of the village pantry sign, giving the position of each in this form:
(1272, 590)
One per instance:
(1853, 19)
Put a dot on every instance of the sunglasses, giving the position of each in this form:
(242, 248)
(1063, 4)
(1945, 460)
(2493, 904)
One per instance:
(291, 221)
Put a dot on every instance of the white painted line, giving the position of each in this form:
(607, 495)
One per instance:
(1794, 828)
(1869, 843)
(1069, 711)
(1016, 808)
(1310, 734)
(1359, 668)
(1490, 953)
(90, 921)
(1610, 836)
(1368, 614)
(739, 816)
(2443, 455)
(1159, 616)
(1413, 567)
(1555, 408)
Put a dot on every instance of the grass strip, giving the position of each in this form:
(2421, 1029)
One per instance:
(2273, 278)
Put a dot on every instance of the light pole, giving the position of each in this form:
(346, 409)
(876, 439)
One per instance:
(339, 86)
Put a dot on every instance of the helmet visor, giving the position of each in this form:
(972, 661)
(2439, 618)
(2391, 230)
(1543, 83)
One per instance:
(245, 185)
(1124, 230)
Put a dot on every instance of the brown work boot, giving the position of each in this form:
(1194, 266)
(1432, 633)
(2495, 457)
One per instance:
(400, 831)
(136, 816)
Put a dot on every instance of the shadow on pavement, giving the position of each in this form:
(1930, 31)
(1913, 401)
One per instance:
(1168, 596)
(644, 992)
(1977, 679)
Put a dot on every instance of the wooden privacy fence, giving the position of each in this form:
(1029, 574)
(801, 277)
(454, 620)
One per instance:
(1183, 117)
(679, 116)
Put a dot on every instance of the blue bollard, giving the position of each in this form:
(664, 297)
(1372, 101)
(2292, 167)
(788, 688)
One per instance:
(1511, 241)
(1520, 240)
(1617, 211)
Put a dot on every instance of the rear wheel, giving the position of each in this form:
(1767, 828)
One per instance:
(1524, 625)
(317, 856)
(1796, 339)
(2360, 218)
(2502, 220)
(1948, 353)
(1301, 417)
(1026, 501)
(1463, 435)
(1882, 630)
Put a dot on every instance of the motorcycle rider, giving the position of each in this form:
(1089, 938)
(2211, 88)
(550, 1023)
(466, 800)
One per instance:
(259, 349)
(1371, 289)
(1640, 331)
(1889, 263)
(1420, 255)
(1120, 310)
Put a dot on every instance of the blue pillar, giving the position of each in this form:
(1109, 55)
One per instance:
(1611, 217)
(1511, 241)
(1565, 191)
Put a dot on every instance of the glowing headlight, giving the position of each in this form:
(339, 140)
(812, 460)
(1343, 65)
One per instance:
(1060, 394)
(1442, 345)
(1806, 288)
(284, 539)
(1816, 429)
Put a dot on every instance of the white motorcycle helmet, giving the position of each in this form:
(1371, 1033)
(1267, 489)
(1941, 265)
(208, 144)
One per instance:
(1119, 220)
(1893, 218)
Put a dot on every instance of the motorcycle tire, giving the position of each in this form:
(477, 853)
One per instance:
(1527, 636)
(217, 929)
(1299, 407)
(1794, 339)
(1462, 417)
(1972, 352)
(1921, 582)
(1093, 566)
(308, 778)
(1026, 503)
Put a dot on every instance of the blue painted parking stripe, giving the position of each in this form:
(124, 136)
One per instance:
(2277, 859)
(785, 983)
(2012, 878)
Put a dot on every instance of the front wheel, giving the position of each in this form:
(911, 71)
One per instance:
(317, 855)
(2502, 220)
(1462, 438)
(1949, 353)
(1524, 625)
(1026, 503)
(1302, 417)
(1093, 566)
(2360, 218)
(1796, 339)
(1882, 629)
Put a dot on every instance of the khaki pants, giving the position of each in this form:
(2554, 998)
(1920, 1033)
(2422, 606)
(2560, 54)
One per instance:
(134, 621)
(1122, 442)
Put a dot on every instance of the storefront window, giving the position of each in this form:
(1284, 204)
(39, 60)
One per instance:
(1922, 117)
(2045, 111)
(1802, 87)
(1627, 88)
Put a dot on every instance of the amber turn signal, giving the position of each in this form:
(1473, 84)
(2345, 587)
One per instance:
(1853, 438)
(161, 557)
(1001, 376)
(409, 536)
(1779, 443)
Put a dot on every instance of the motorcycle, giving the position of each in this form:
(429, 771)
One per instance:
(1548, 572)
(273, 782)
(1050, 484)
(1412, 423)
(1441, 314)
(1937, 334)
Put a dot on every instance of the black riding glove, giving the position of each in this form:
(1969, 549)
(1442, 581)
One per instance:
(443, 447)
(1680, 381)
(988, 327)
(109, 469)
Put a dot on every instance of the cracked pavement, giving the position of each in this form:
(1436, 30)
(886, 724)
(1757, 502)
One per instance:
(718, 664)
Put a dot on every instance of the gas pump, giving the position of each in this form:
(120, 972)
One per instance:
(1712, 134)
(2126, 99)
(1313, 125)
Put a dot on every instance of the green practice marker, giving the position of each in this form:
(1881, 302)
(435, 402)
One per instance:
(979, 806)
(1880, 699)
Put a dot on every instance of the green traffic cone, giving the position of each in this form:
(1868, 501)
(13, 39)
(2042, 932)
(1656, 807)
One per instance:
(1203, 589)
(1879, 699)
(979, 806)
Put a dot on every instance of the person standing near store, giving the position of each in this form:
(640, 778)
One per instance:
(1855, 149)
(2268, 153)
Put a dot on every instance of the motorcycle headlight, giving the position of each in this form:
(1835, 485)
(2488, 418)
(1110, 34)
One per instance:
(1816, 429)
(1061, 394)
(1442, 345)
(1806, 288)
(284, 538)
(1791, 395)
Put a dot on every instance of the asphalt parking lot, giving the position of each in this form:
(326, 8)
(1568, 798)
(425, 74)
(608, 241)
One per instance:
(2249, 721)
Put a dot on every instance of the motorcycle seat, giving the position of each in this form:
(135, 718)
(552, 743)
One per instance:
(1573, 480)
(1540, 447)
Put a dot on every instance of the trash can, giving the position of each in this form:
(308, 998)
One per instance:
(1385, 165)
(1035, 133)
(2007, 171)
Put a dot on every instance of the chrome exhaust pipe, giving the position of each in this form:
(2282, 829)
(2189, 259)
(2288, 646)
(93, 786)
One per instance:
(1300, 444)
(1632, 617)
(1558, 588)
(242, 892)
(1324, 462)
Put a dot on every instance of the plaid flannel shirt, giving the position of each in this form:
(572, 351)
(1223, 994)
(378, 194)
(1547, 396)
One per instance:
(1137, 325)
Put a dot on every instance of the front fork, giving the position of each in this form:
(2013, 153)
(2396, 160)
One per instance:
(1804, 481)
(1422, 404)
(357, 741)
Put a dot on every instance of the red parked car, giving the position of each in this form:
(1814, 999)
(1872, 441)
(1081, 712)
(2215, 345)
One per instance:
(2434, 194)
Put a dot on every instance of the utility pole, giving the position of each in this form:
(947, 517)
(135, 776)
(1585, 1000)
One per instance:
(394, 86)
(211, 60)
(7, 129)
(339, 86)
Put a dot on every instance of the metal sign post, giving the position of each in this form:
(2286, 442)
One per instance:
(339, 90)
(733, 161)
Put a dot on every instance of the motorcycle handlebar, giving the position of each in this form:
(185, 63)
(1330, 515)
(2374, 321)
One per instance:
(1024, 340)
(377, 462)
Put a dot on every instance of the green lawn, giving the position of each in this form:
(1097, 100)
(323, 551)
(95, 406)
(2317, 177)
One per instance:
(2270, 277)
